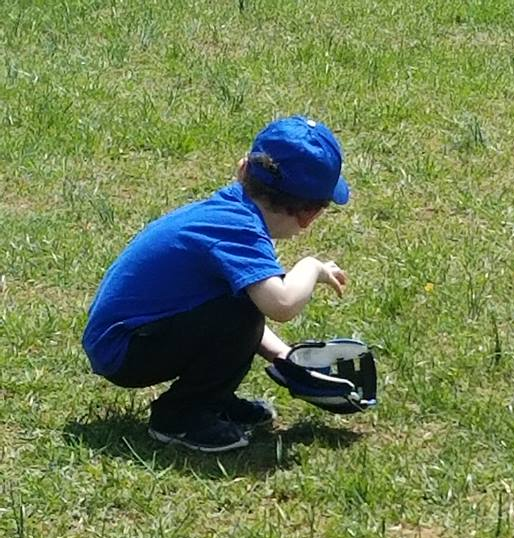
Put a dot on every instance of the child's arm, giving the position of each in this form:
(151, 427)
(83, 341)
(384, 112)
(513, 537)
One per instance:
(281, 299)
(272, 346)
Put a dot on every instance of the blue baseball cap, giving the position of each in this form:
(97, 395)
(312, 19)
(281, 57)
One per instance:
(306, 156)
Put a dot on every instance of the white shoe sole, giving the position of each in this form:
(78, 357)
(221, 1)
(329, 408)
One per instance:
(179, 440)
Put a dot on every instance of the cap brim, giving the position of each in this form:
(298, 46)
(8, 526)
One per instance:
(341, 192)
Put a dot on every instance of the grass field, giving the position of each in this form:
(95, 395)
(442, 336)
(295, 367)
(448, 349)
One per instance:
(113, 112)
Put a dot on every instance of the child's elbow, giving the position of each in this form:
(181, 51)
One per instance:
(281, 312)
(271, 299)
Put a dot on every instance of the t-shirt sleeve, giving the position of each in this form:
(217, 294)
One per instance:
(245, 261)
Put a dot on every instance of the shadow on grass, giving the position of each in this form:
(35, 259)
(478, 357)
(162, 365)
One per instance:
(126, 436)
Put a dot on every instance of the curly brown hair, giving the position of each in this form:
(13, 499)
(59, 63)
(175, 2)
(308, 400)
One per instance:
(275, 199)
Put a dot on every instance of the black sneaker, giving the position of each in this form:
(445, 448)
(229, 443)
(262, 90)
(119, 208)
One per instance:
(215, 435)
(249, 413)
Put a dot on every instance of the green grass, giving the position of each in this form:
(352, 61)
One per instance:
(112, 113)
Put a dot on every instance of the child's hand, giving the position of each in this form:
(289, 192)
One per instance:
(331, 274)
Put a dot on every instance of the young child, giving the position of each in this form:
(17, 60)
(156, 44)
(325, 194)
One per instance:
(186, 301)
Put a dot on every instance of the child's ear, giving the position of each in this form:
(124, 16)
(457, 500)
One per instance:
(241, 167)
(306, 216)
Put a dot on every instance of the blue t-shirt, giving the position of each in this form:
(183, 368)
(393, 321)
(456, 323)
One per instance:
(199, 252)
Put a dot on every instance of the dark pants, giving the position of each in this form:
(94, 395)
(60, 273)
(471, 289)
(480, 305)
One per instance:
(207, 351)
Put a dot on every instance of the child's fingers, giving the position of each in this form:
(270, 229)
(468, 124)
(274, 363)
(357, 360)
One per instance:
(342, 277)
(335, 277)
(336, 285)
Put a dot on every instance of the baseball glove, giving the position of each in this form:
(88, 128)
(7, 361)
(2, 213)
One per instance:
(337, 375)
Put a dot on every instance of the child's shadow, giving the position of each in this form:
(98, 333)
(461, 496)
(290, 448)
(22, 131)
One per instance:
(126, 436)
